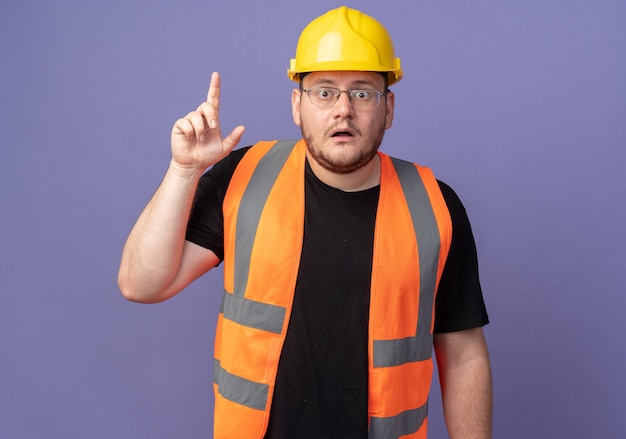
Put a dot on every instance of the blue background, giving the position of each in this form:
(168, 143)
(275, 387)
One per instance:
(519, 105)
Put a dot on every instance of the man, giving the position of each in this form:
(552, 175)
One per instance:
(333, 253)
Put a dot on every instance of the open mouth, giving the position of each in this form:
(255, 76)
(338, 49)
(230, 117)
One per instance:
(342, 133)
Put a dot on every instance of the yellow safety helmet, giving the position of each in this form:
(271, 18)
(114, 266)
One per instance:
(345, 39)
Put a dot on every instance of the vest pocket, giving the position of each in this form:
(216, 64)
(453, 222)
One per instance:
(273, 356)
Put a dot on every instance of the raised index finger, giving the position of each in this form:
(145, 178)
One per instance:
(213, 97)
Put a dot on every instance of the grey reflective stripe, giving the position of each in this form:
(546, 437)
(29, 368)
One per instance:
(253, 314)
(240, 390)
(427, 233)
(397, 426)
(252, 204)
(388, 353)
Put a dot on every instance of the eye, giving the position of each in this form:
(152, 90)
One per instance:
(361, 95)
(324, 93)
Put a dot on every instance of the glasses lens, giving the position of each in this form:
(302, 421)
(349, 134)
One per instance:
(326, 97)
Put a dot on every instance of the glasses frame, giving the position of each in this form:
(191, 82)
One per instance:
(350, 93)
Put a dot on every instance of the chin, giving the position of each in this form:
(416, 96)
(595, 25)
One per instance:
(339, 163)
(342, 156)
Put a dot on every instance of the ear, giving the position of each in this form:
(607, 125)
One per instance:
(296, 96)
(391, 105)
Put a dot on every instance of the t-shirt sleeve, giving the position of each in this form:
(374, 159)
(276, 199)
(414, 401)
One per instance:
(206, 222)
(459, 304)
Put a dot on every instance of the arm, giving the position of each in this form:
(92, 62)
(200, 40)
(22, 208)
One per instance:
(465, 378)
(157, 262)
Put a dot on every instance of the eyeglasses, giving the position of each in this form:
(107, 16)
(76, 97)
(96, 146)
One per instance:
(361, 99)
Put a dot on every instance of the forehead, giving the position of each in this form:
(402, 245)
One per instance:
(344, 79)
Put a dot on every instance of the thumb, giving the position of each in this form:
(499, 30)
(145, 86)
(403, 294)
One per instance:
(233, 138)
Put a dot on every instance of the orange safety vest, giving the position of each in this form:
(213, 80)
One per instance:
(263, 233)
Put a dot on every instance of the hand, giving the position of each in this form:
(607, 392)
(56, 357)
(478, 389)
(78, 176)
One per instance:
(197, 141)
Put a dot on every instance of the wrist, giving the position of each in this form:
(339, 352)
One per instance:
(184, 172)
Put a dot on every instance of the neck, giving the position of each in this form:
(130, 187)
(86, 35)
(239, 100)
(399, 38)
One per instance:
(363, 178)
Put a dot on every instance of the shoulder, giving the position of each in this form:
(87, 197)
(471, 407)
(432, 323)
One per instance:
(455, 206)
(462, 236)
(217, 178)
(224, 169)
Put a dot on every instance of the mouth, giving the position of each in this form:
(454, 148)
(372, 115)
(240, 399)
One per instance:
(342, 133)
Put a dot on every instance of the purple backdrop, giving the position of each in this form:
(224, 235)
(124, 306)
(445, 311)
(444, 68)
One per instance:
(520, 106)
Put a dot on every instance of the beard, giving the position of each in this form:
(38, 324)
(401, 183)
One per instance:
(343, 165)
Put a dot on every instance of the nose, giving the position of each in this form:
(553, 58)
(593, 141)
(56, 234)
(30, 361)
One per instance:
(343, 106)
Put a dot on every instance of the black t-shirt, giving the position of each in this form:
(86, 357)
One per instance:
(321, 386)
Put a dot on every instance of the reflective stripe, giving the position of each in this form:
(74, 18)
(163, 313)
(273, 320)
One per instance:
(240, 390)
(397, 426)
(253, 314)
(427, 234)
(389, 353)
(250, 208)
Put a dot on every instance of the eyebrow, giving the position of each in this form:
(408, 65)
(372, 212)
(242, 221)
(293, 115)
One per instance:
(353, 84)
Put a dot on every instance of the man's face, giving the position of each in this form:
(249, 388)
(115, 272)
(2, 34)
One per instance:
(342, 138)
